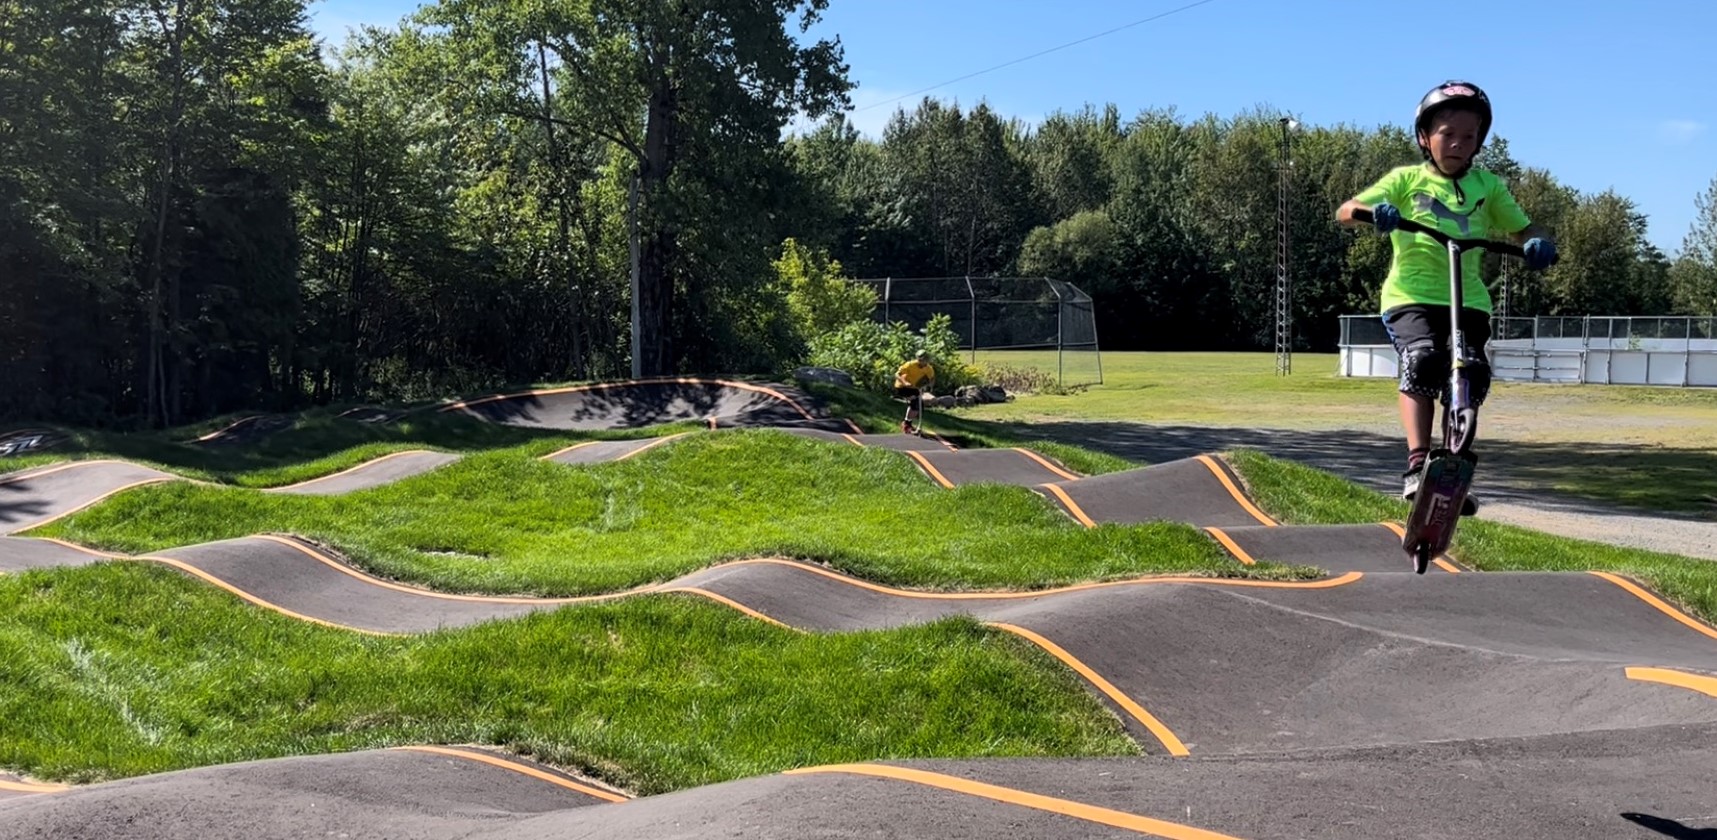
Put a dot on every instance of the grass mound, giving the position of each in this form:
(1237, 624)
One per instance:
(122, 669)
(1296, 493)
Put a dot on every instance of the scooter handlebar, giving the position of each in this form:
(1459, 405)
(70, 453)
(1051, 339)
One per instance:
(1364, 215)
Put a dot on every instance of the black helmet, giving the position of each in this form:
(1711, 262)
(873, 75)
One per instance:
(1449, 93)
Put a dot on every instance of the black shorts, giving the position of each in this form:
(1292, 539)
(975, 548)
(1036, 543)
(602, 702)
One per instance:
(1422, 324)
(903, 392)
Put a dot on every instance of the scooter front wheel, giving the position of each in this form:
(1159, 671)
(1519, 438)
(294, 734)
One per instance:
(1421, 558)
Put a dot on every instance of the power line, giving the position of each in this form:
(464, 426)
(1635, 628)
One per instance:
(1159, 16)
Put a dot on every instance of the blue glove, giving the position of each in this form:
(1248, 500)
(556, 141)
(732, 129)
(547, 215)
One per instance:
(1540, 253)
(1385, 217)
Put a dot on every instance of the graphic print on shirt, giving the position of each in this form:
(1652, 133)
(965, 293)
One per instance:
(1430, 204)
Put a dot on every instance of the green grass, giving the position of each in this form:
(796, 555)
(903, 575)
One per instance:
(1636, 447)
(1296, 493)
(318, 443)
(1242, 389)
(506, 522)
(122, 669)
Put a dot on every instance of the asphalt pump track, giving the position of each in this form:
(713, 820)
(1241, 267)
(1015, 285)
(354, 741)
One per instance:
(1368, 703)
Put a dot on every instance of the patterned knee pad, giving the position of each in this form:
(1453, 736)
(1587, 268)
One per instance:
(1478, 374)
(1425, 371)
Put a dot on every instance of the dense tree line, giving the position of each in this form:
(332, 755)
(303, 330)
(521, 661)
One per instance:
(203, 210)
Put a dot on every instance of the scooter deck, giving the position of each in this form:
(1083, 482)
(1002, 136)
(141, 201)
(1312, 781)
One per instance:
(1437, 505)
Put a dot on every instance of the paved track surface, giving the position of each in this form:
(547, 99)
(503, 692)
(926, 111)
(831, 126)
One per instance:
(37, 497)
(650, 402)
(1370, 703)
(384, 470)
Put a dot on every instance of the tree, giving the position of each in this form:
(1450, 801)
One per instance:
(1693, 278)
(1083, 250)
(820, 299)
(726, 73)
(1598, 244)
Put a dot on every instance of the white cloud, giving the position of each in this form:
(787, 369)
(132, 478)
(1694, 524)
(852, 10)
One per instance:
(1679, 132)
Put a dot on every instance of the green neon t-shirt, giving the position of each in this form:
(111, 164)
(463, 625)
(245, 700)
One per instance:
(1419, 271)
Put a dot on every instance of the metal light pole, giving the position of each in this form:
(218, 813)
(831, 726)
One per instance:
(1284, 289)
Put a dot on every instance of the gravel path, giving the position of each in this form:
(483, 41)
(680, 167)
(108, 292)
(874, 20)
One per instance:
(1374, 458)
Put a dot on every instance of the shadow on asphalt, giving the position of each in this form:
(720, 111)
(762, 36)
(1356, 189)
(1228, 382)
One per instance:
(1671, 828)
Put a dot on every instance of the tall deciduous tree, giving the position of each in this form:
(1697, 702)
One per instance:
(654, 78)
(1693, 278)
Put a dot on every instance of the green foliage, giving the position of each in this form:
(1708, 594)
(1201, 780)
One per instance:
(1693, 277)
(818, 296)
(1084, 250)
(871, 352)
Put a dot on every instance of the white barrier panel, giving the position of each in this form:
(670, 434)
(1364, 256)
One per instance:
(1514, 361)
(1702, 370)
(1514, 364)
(1370, 361)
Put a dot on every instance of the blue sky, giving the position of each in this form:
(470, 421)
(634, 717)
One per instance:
(1619, 94)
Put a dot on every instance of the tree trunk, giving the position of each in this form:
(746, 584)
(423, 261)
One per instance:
(175, 37)
(656, 250)
(562, 256)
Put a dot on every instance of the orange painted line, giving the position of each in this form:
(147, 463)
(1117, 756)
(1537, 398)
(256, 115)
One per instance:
(32, 787)
(1657, 602)
(75, 547)
(92, 502)
(853, 426)
(1442, 561)
(651, 445)
(1322, 583)
(523, 769)
(1064, 807)
(608, 386)
(48, 470)
(1234, 491)
(944, 441)
(370, 463)
(54, 468)
(729, 602)
(430, 593)
(852, 440)
(1150, 722)
(1072, 506)
(562, 451)
(229, 427)
(931, 469)
(1680, 679)
(196, 572)
(1232, 546)
(1047, 464)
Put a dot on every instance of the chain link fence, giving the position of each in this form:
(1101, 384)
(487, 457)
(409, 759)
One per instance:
(1038, 321)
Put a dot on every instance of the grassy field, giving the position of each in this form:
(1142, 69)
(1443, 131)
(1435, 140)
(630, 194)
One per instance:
(123, 669)
(1644, 448)
(506, 522)
(1243, 389)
